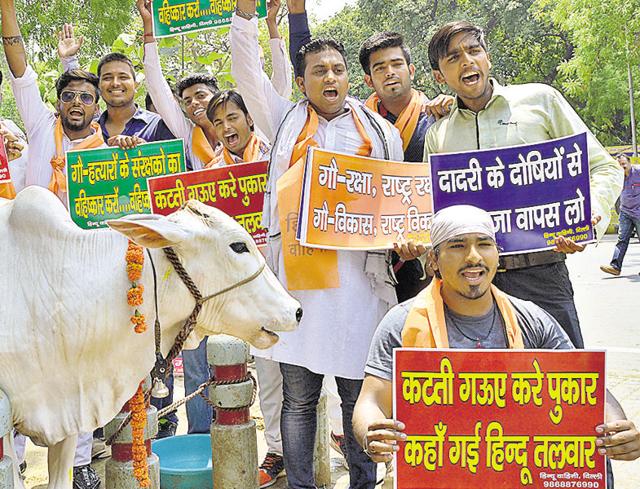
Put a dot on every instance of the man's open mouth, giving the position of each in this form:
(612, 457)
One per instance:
(231, 139)
(474, 275)
(76, 113)
(471, 78)
(198, 112)
(330, 94)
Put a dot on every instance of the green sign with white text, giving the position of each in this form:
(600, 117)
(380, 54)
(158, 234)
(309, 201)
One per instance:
(108, 183)
(174, 17)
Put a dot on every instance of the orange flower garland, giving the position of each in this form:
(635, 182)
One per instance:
(135, 261)
(138, 446)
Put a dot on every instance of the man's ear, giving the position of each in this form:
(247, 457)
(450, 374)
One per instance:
(250, 120)
(439, 77)
(300, 83)
(412, 71)
(368, 80)
(431, 259)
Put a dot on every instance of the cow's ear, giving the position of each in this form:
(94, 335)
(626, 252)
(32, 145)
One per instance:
(149, 230)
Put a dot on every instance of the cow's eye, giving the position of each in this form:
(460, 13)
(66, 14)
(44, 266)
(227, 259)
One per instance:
(239, 247)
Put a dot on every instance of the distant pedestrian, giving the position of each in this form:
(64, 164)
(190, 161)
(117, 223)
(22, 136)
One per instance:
(629, 214)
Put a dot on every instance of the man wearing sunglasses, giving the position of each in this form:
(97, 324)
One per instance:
(123, 124)
(51, 134)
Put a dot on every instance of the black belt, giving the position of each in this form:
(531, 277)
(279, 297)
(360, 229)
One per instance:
(526, 260)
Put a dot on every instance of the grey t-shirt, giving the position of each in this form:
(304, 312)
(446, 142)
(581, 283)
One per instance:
(539, 330)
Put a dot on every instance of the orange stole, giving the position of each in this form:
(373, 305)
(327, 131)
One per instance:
(7, 191)
(201, 146)
(425, 326)
(408, 119)
(307, 268)
(250, 153)
(58, 182)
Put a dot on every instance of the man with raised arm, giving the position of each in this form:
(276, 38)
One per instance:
(386, 62)
(51, 135)
(123, 123)
(489, 115)
(461, 309)
(196, 91)
(344, 293)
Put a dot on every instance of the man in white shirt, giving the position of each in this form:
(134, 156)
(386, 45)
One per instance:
(339, 322)
(196, 91)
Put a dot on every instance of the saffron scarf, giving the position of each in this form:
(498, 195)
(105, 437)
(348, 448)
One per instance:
(58, 182)
(307, 268)
(251, 151)
(425, 326)
(201, 147)
(408, 119)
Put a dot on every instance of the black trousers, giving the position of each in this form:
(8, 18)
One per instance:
(549, 287)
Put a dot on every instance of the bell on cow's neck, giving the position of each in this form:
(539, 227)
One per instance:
(159, 389)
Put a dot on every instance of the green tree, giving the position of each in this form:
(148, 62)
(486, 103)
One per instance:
(605, 36)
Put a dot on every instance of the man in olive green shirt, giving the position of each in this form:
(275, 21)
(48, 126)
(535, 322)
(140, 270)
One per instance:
(488, 115)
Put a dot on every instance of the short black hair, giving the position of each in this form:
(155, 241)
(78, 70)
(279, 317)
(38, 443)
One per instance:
(382, 40)
(192, 80)
(111, 57)
(439, 44)
(315, 46)
(221, 99)
(77, 75)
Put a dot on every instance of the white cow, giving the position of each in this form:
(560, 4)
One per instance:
(69, 358)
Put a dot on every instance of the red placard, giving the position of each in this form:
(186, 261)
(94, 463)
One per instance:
(237, 190)
(499, 419)
(5, 175)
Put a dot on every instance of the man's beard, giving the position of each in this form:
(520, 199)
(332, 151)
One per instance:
(72, 126)
(475, 292)
(120, 103)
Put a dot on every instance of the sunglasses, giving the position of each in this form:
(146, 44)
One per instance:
(86, 98)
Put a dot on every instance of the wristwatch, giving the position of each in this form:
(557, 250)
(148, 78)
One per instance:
(245, 15)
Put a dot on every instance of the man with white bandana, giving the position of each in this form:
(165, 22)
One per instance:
(461, 309)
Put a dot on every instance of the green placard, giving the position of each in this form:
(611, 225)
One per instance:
(174, 17)
(109, 183)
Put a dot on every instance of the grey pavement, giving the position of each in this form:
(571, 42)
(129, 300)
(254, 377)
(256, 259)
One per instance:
(609, 308)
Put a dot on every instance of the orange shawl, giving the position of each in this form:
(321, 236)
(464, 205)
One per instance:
(307, 268)
(58, 182)
(201, 147)
(425, 325)
(408, 119)
(251, 151)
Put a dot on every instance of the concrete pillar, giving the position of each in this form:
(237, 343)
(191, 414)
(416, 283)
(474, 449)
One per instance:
(322, 451)
(233, 433)
(6, 427)
(119, 468)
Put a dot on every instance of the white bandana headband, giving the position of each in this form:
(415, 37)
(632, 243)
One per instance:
(460, 219)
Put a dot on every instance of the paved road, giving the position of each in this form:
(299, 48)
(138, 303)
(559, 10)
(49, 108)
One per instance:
(609, 309)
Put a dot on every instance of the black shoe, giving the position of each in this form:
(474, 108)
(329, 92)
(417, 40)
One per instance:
(166, 429)
(85, 477)
(22, 468)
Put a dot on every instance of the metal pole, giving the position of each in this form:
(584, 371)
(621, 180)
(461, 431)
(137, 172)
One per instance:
(6, 426)
(234, 446)
(632, 111)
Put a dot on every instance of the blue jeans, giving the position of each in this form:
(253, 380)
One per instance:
(196, 372)
(301, 391)
(627, 227)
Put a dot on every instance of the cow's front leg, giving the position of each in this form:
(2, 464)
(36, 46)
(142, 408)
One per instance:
(60, 460)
